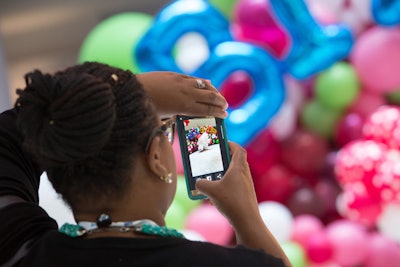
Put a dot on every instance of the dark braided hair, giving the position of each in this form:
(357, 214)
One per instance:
(85, 126)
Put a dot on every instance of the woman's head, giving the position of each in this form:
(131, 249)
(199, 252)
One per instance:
(85, 126)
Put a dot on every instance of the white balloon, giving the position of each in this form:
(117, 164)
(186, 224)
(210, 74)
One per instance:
(283, 124)
(52, 202)
(191, 51)
(278, 218)
(389, 221)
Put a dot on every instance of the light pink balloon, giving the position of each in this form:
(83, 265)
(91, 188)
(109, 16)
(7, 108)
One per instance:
(319, 248)
(349, 242)
(209, 223)
(376, 58)
(382, 252)
(304, 226)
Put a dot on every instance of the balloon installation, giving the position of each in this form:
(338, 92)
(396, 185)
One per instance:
(314, 97)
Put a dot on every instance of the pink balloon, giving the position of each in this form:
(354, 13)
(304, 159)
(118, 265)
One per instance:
(237, 88)
(360, 205)
(358, 161)
(349, 129)
(303, 226)
(382, 251)
(366, 103)
(387, 180)
(253, 22)
(349, 242)
(318, 248)
(384, 126)
(209, 223)
(177, 154)
(376, 58)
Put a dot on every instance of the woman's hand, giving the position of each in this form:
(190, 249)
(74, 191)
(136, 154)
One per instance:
(174, 93)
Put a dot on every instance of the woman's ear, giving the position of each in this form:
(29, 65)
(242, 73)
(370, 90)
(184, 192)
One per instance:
(154, 157)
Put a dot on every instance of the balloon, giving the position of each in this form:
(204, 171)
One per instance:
(247, 120)
(304, 153)
(318, 248)
(295, 92)
(319, 120)
(237, 88)
(224, 6)
(358, 204)
(284, 123)
(366, 103)
(276, 184)
(305, 225)
(262, 153)
(349, 242)
(254, 23)
(337, 87)
(349, 129)
(389, 220)
(277, 218)
(358, 161)
(178, 156)
(113, 40)
(393, 97)
(175, 217)
(384, 126)
(386, 12)
(295, 254)
(314, 47)
(306, 201)
(376, 57)
(328, 191)
(209, 223)
(174, 21)
(382, 251)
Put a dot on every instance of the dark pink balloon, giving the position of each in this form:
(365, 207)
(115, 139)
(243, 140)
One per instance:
(328, 191)
(237, 88)
(254, 22)
(262, 153)
(306, 201)
(349, 129)
(305, 154)
(318, 248)
(276, 184)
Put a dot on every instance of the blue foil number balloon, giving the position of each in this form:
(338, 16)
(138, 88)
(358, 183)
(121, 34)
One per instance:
(245, 122)
(386, 12)
(314, 47)
(155, 50)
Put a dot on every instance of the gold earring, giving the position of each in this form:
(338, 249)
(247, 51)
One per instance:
(167, 178)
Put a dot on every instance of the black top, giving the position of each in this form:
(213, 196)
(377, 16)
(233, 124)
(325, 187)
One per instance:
(26, 229)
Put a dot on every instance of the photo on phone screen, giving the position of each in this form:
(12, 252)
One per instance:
(204, 150)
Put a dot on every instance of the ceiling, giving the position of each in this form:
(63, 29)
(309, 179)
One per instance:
(48, 34)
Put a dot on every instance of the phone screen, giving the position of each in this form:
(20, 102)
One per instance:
(204, 150)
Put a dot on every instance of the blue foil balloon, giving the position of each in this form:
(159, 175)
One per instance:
(245, 122)
(155, 49)
(314, 48)
(386, 12)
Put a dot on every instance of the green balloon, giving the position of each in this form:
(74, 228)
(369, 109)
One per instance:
(182, 198)
(113, 40)
(318, 119)
(337, 87)
(393, 97)
(175, 217)
(295, 254)
(226, 7)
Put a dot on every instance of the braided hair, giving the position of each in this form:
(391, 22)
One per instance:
(85, 126)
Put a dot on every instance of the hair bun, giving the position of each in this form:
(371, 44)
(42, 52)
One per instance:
(65, 118)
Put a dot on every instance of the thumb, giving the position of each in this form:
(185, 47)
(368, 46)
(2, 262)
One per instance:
(205, 186)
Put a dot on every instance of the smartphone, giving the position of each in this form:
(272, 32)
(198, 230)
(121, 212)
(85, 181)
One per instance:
(204, 148)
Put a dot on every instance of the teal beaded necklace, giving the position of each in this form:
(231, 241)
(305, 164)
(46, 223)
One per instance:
(104, 223)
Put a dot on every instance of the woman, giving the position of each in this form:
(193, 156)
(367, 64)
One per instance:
(102, 136)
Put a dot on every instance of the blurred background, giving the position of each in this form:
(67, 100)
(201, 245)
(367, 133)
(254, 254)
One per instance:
(314, 94)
